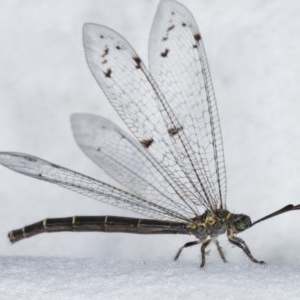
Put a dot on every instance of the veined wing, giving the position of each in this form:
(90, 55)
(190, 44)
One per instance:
(136, 97)
(178, 62)
(41, 169)
(127, 161)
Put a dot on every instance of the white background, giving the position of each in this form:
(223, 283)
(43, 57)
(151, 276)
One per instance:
(253, 49)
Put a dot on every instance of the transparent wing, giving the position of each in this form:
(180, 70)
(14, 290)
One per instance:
(178, 63)
(41, 169)
(138, 100)
(126, 160)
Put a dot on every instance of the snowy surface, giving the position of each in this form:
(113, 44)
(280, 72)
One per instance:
(253, 50)
(65, 278)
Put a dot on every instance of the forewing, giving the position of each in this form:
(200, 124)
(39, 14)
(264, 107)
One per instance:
(136, 97)
(126, 161)
(178, 63)
(43, 170)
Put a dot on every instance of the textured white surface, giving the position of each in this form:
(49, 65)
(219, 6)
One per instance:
(253, 50)
(65, 278)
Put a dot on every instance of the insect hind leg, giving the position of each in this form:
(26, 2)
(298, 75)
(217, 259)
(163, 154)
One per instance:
(203, 247)
(203, 250)
(189, 244)
(220, 250)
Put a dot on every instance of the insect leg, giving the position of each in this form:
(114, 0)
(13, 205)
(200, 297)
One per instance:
(220, 250)
(189, 244)
(203, 246)
(240, 243)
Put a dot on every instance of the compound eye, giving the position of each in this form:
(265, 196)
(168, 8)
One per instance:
(238, 225)
(242, 223)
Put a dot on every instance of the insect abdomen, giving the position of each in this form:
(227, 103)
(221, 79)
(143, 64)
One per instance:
(99, 223)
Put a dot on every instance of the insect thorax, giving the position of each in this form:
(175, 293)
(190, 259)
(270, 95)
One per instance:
(214, 223)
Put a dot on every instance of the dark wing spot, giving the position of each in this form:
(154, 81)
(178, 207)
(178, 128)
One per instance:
(31, 159)
(147, 143)
(54, 166)
(172, 13)
(197, 37)
(137, 61)
(106, 50)
(118, 47)
(183, 24)
(104, 61)
(174, 130)
(101, 36)
(107, 73)
(40, 175)
(170, 28)
(165, 53)
(98, 149)
(195, 46)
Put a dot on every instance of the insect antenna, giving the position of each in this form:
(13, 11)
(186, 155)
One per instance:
(278, 212)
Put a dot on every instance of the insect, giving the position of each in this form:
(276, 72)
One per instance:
(173, 169)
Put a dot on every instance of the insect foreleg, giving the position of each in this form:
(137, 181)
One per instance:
(189, 244)
(240, 243)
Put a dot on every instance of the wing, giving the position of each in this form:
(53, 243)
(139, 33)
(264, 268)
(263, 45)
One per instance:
(126, 160)
(41, 169)
(137, 98)
(178, 63)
